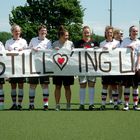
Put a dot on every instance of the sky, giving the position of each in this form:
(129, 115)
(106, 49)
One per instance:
(125, 13)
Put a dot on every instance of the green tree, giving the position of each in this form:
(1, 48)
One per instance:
(52, 13)
(98, 38)
(4, 36)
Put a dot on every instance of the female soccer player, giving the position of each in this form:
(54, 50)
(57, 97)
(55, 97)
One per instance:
(67, 81)
(16, 43)
(86, 42)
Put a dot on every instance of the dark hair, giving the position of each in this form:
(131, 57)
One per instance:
(130, 29)
(86, 27)
(61, 31)
(41, 26)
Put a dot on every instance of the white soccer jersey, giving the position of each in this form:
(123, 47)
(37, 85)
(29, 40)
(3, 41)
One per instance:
(1, 47)
(40, 44)
(67, 45)
(135, 43)
(109, 45)
(13, 44)
(129, 42)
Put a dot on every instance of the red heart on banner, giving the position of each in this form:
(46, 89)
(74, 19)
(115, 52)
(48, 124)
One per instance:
(61, 60)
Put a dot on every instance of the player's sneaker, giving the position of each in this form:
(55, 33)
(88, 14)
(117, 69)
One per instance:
(126, 108)
(102, 107)
(68, 107)
(31, 107)
(136, 108)
(116, 107)
(82, 107)
(57, 108)
(91, 107)
(19, 107)
(14, 107)
(110, 102)
(45, 107)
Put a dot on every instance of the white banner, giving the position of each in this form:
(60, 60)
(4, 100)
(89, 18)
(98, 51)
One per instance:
(95, 62)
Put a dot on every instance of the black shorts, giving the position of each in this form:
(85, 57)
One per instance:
(37, 80)
(2, 81)
(119, 79)
(132, 80)
(137, 78)
(17, 80)
(63, 80)
(109, 80)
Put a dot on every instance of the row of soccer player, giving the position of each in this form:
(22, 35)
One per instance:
(113, 39)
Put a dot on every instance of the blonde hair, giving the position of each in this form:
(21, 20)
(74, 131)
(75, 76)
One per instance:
(117, 31)
(14, 26)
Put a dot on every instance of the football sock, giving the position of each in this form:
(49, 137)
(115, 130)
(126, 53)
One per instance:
(126, 96)
(20, 96)
(115, 96)
(31, 96)
(1, 97)
(13, 95)
(135, 96)
(82, 95)
(91, 92)
(45, 96)
(104, 96)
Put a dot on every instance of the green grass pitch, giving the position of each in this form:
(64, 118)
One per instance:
(66, 125)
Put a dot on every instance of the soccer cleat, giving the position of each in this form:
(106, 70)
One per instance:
(82, 107)
(116, 107)
(136, 108)
(91, 107)
(31, 107)
(14, 107)
(126, 108)
(68, 107)
(45, 108)
(19, 107)
(102, 107)
(111, 102)
(57, 107)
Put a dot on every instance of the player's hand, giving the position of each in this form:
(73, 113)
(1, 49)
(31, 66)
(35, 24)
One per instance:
(35, 49)
(137, 67)
(131, 47)
(56, 48)
(20, 49)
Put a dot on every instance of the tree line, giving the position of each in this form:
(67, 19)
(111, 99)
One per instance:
(52, 13)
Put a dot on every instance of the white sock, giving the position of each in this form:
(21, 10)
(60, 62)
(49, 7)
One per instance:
(82, 95)
(91, 92)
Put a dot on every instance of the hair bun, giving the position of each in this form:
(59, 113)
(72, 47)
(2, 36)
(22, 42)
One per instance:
(61, 28)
